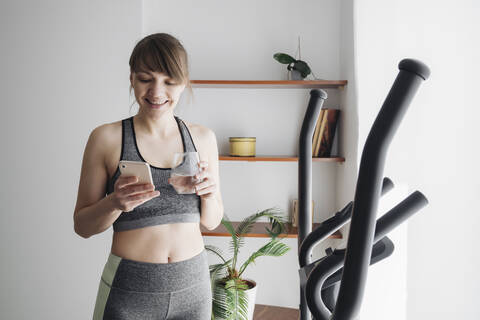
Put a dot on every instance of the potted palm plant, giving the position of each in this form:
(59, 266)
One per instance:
(234, 296)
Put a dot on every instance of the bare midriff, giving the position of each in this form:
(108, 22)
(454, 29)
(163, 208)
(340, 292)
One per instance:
(164, 243)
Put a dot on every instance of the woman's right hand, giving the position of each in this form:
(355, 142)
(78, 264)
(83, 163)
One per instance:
(128, 194)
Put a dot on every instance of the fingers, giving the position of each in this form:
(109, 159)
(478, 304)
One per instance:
(203, 182)
(134, 189)
(127, 187)
(132, 201)
(142, 197)
(200, 191)
(128, 193)
(123, 181)
(203, 170)
(138, 188)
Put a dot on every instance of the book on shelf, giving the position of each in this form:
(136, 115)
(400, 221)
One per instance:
(328, 134)
(316, 132)
(325, 132)
(320, 132)
(294, 219)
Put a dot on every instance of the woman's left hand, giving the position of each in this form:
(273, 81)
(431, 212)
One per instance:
(206, 188)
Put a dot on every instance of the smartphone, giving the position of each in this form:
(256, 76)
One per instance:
(136, 168)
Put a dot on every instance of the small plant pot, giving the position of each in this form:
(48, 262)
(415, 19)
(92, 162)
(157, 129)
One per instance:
(251, 295)
(294, 75)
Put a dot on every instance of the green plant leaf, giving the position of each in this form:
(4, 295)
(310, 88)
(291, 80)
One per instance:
(215, 250)
(230, 301)
(302, 67)
(247, 224)
(218, 271)
(235, 238)
(220, 304)
(278, 226)
(283, 58)
(274, 248)
(274, 215)
(237, 298)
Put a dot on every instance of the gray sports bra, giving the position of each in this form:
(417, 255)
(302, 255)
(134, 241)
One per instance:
(169, 206)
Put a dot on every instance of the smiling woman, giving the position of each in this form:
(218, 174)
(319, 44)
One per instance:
(158, 266)
(143, 80)
(151, 58)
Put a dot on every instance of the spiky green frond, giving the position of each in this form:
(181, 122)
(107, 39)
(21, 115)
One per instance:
(235, 237)
(278, 226)
(237, 299)
(215, 250)
(275, 218)
(218, 271)
(220, 305)
(230, 301)
(273, 248)
(229, 298)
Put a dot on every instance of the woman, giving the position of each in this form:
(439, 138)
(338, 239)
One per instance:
(157, 267)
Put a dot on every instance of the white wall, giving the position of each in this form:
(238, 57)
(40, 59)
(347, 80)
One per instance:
(65, 67)
(434, 148)
(385, 293)
(236, 40)
(64, 71)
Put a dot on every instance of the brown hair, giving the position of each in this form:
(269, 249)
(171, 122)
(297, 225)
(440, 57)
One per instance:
(161, 52)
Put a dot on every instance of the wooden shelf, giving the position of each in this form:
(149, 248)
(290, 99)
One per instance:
(258, 231)
(298, 84)
(278, 158)
(266, 312)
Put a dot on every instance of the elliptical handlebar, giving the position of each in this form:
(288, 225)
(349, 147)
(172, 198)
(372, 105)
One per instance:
(334, 262)
(317, 98)
(368, 188)
(329, 226)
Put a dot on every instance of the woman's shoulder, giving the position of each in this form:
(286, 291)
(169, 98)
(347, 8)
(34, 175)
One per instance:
(204, 138)
(199, 130)
(108, 130)
(107, 136)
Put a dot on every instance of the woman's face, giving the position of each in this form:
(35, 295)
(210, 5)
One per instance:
(154, 91)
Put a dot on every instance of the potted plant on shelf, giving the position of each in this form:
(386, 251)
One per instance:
(297, 69)
(234, 296)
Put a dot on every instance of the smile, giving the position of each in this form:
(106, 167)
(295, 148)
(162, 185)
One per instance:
(153, 105)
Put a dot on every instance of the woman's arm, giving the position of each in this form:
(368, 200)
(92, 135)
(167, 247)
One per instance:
(94, 213)
(95, 218)
(212, 207)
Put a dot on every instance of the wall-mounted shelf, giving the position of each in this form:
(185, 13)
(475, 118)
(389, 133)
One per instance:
(258, 231)
(298, 84)
(278, 158)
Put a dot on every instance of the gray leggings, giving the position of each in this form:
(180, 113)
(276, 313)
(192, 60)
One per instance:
(132, 289)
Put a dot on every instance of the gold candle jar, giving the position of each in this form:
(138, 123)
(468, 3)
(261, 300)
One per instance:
(242, 146)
